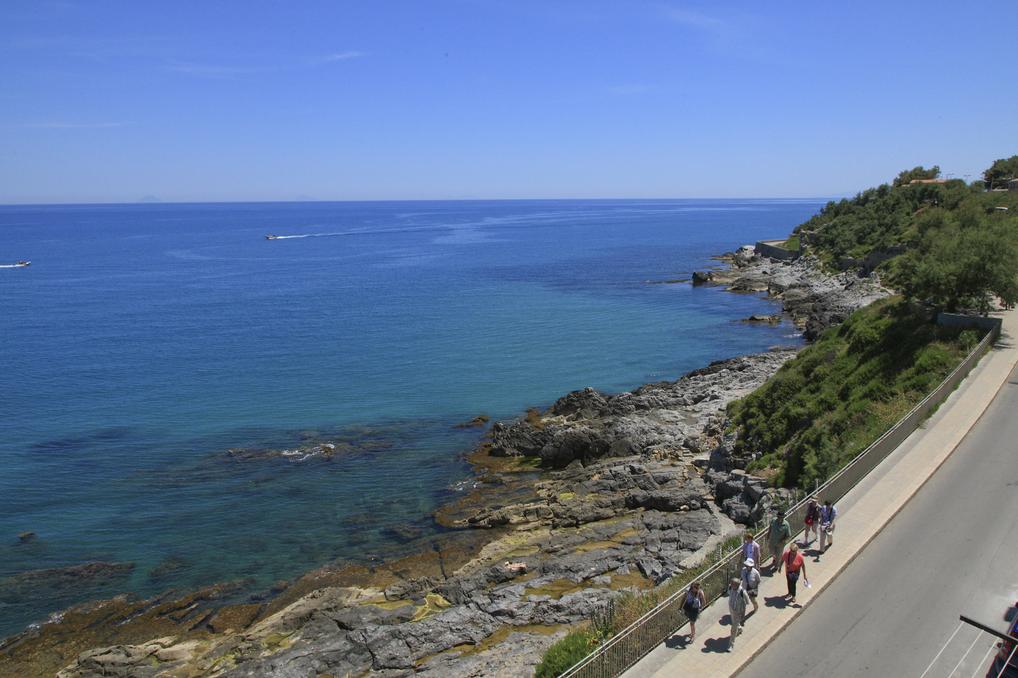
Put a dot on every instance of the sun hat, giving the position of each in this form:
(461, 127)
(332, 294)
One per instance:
(749, 562)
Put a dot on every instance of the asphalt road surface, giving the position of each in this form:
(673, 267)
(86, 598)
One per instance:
(953, 549)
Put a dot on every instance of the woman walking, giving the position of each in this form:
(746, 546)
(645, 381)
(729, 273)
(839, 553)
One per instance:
(795, 565)
(750, 549)
(751, 581)
(811, 521)
(695, 601)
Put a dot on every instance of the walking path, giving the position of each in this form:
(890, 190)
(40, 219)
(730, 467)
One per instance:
(862, 513)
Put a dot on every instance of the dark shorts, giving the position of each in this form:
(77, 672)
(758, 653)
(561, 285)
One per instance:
(691, 613)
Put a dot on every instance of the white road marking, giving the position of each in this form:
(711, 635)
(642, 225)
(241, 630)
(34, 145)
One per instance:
(942, 648)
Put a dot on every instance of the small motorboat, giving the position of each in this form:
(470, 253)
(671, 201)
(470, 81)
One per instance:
(23, 263)
(272, 237)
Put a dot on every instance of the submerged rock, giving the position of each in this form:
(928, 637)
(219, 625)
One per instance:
(477, 422)
(53, 580)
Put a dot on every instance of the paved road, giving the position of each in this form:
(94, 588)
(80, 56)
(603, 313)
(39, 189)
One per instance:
(953, 549)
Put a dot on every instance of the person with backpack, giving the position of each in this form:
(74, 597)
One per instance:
(778, 535)
(795, 566)
(737, 601)
(751, 581)
(695, 601)
(811, 521)
(827, 516)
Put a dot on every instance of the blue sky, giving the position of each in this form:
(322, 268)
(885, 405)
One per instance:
(261, 100)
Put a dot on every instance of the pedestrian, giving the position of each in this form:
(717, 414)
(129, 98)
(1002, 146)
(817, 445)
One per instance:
(827, 516)
(695, 601)
(750, 549)
(795, 566)
(751, 581)
(811, 521)
(777, 536)
(737, 601)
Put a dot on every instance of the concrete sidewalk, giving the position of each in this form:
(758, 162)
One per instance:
(862, 513)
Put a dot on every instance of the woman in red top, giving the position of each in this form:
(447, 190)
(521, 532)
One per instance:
(795, 566)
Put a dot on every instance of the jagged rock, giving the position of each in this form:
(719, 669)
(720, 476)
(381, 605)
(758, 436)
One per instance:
(702, 277)
(584, 404)
(738, 510)
(567, 445)
(517, 438)
(769, 319)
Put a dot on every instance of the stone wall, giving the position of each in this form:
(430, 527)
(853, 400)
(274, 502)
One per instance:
(772, 249)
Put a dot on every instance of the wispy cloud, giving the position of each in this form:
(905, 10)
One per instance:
(689, 17)
(72, 125)
(342, 56)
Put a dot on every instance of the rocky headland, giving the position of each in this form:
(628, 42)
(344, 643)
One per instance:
(596, 495)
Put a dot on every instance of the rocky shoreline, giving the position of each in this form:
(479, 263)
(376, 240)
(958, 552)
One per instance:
(597, 495)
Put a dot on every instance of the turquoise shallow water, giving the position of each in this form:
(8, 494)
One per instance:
(147, 340)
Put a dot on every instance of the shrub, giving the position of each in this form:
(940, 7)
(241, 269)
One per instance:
(576, 645)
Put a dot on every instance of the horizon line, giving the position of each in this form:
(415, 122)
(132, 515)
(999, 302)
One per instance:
(376, 200)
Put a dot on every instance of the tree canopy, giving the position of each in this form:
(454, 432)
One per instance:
(906, 176)
(957, 244)
(1000, 172)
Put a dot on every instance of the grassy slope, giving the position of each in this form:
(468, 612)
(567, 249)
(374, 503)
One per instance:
(841, 393)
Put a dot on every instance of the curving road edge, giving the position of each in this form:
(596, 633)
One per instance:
(864, 512)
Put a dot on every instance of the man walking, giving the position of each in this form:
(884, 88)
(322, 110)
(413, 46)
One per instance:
(737, 601)
(777, 536)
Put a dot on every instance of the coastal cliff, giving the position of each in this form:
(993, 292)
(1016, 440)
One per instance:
(598, 495)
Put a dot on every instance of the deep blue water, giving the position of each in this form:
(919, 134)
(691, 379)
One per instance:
(146, 340)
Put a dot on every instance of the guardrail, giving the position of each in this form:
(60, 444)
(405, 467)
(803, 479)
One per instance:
(627, 647)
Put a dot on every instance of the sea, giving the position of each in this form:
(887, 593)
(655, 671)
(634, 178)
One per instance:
(155, 357)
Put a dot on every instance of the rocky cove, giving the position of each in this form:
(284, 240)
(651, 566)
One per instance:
(596, 495)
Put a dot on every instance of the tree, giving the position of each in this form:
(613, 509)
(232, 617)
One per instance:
(960, 259)
(1000, 172)
(920, 172)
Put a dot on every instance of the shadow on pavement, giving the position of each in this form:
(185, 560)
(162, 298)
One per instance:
(779, 602)
(677, 642)
(716, 644)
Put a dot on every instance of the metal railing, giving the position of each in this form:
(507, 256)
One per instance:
(627, 647)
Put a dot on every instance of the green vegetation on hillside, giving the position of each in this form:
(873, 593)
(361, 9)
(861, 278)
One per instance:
(1000, 172)
(906, 176)
(844, 391)
(949, 244)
